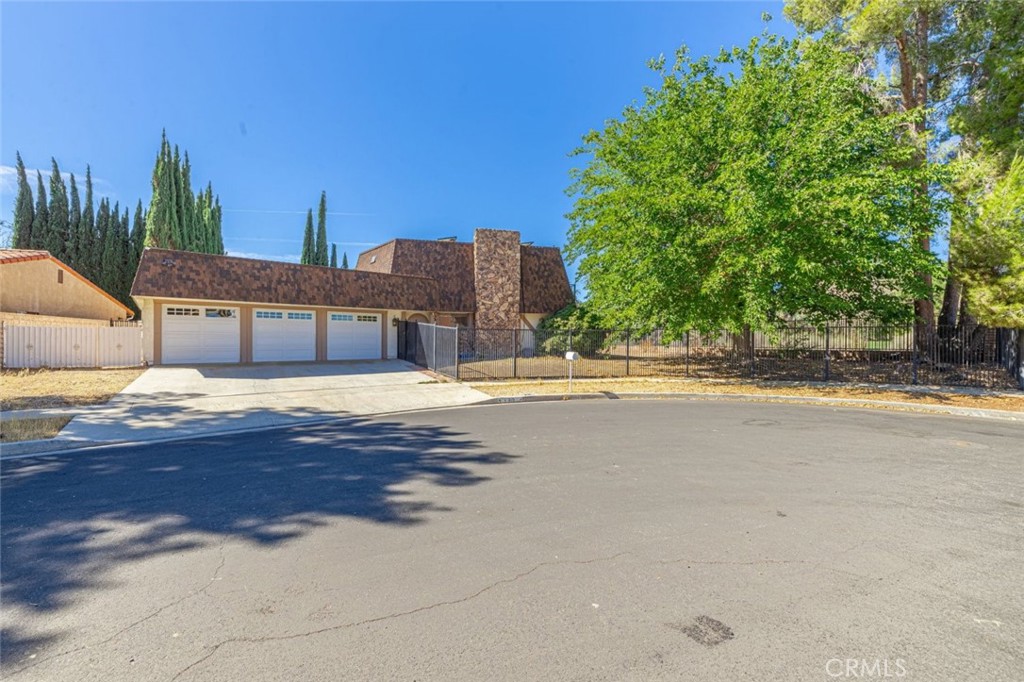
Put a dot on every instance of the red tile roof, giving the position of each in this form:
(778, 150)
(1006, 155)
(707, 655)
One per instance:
(19, 255)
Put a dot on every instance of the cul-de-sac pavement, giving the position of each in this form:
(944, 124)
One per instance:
(601, 540)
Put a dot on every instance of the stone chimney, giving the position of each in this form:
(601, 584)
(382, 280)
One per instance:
(497, 273)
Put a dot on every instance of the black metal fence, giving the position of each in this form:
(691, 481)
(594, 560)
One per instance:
(867, 353)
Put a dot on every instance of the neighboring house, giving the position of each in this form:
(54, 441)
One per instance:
(204, 308)
(37, 288)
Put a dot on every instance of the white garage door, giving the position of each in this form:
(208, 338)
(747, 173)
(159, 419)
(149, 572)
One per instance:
(283, 335)
(197, 334)
(353, 336)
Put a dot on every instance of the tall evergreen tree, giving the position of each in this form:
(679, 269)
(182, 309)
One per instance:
(73, 251)
(24, 213)
(334, 255)
(218, 235)
(344, 261)
(138, 236)
(308, 248)
(56, 238)
(321, 231)
(191, 241)
(41, 219)
(99, 275)
(87, 232)
(111, 263)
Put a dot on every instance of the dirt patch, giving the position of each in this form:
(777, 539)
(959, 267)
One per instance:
(31, 429)
(705, 630)
(24, 389)
(923, 396)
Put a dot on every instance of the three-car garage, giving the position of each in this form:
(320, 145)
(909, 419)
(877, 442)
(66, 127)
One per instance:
(207, 334)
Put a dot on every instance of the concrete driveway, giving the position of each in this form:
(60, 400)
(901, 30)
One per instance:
(184, 401)
(590, 540)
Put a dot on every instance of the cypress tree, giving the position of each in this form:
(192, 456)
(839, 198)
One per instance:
(41, 219)
(321, 231)
(174, 203)
(137, 239)
(56, 239)
(73, 252)
(87, 233)
(99, 275)
(24, 214)
(334, 255)
(308, 249)
(111, 269)
(189, 239)
(344, 261)
(124, 258)
(218, 235)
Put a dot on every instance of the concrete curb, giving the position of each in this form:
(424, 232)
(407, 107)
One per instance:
(1002, 415)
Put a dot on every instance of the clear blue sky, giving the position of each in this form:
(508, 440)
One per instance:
(419, 120)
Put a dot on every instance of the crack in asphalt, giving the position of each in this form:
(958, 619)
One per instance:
(154, 614)
(344, 626)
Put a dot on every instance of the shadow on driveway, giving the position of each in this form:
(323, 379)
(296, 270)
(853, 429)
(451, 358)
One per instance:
(70, 520)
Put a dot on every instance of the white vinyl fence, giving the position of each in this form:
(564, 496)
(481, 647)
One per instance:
(72, 346)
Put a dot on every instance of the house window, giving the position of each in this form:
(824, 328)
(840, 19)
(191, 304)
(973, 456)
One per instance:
(60, 276)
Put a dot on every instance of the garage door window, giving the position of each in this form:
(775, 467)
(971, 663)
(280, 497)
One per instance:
(300, 316)
(366, 318)
(221, 312)
(184, 312)
(269, 315)
(340, 317)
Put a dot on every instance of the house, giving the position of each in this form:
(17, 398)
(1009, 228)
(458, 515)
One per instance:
(204, 308)
(39, 289)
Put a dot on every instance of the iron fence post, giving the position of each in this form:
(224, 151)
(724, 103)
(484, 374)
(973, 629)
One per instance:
(627, 352)
(750, 345)
(433, 346)
(515, 354)
(458, 350)
(828, 358)
(687, 372)
(916, 357)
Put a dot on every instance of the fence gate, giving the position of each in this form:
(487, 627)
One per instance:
(429, 345)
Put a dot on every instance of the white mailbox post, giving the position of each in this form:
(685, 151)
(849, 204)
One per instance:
(572, 356)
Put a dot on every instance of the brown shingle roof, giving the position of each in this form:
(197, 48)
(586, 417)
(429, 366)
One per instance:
(545, 284)
(179, 274)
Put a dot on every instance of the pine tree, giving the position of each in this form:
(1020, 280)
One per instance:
(334, 255)
(308, 249)
(87, 233)
(41, 219)
(321, 231)
(344, 261)
(73, 251)
(56, 238)
(24, 213)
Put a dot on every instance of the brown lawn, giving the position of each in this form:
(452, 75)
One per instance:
(22, 389)
(31, 429)
(977, 399)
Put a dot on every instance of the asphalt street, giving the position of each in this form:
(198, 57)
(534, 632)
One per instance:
(601, 540)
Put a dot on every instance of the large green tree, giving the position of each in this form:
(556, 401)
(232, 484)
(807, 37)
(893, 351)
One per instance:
(73, 249)
(24, 213)
(87, 241)
(761, 186)
(334, 255)
(178, 218)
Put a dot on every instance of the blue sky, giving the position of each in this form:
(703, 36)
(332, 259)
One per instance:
(419, 120)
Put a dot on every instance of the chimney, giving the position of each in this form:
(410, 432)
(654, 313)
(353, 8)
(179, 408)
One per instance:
(497, 275)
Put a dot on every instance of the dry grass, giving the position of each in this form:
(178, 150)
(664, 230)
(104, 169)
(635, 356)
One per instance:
(23, 389)
(976, 399)
(31, 429)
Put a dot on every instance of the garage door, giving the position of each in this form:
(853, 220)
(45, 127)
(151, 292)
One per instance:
(353, 336)
(197, 334)
(279, 335)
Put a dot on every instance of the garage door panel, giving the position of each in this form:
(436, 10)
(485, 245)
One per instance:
(353, 336)
(283, 335)
(200, 334)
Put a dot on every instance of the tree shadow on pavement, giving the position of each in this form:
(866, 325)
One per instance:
(70, 520)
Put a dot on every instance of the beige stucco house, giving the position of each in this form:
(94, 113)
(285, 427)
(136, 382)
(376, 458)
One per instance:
(36, 287)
